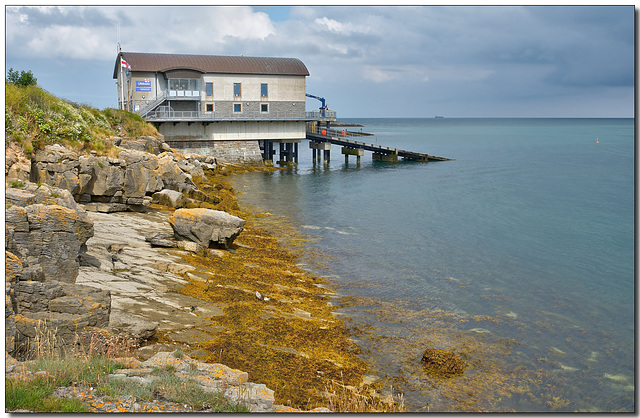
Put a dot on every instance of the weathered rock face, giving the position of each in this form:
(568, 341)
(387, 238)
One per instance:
(57, 166)
(100, 176)
(172, 175)
(149, 144)
(205, 226)
(63, 310)
(50, 236)
(12, 270)
(16, 164)
(45, 232)
(144, 166)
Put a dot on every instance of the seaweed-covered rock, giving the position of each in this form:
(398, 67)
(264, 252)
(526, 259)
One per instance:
(442, 362)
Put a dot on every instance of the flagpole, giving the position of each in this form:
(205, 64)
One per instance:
(121, 85)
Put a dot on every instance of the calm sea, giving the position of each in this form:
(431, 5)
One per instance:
(518, 256)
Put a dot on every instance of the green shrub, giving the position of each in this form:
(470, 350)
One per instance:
(22, 78)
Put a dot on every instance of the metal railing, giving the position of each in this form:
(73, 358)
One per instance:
(164, 112)
(151, 105)
(322, 114)
(335, 133)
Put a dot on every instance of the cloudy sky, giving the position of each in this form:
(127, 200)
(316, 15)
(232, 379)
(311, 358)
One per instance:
(367, 61)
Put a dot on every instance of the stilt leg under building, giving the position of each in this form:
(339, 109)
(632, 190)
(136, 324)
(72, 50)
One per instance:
(358, 152)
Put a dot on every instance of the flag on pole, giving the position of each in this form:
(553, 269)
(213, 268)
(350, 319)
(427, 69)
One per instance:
(125, 64)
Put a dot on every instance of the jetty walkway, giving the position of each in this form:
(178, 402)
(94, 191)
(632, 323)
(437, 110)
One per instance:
(321, 139)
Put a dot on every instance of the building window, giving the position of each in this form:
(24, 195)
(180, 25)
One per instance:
(237, 89)
(184, 87)
(263, 90)
(209, 107)
(237, 107)
(264, 107)
(209, 91)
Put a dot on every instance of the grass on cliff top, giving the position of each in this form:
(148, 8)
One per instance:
(35, 118)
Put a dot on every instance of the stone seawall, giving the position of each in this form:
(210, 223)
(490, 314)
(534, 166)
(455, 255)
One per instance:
(241, 152)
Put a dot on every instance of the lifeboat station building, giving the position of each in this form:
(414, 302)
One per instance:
(236, 108)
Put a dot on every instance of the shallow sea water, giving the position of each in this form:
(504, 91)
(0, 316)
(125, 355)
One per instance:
(518, 256)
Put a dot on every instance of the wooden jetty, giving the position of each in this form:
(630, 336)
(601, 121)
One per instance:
(321, 139)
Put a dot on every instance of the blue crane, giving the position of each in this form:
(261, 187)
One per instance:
(323, 107)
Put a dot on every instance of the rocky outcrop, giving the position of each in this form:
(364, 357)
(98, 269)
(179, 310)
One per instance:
(59, 312)
(150, 144)
(45, 233)
(204, 227)
(143, 166)
(57, 166)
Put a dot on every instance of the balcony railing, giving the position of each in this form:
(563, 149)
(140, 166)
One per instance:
(165, 113)
(322, 114)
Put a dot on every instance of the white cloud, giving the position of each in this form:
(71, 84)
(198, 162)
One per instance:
(71, 32)
(452, 52)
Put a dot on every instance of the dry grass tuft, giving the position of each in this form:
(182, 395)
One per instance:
(344, 398)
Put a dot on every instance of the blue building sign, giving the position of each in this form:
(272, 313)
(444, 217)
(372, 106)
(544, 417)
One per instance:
(143, 85)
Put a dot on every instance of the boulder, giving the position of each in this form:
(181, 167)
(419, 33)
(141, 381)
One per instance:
(206, 226)
(205, 161)
(16, 164)
(170, 198)
(171, 174)
(192, 167)
(101, 176)
(140, 176)
(31, 194)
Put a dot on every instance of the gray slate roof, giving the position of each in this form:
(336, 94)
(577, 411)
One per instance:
(211, 64)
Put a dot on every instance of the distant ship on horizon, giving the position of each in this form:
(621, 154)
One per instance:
(439, 117)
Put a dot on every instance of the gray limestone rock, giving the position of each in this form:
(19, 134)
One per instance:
(138, 328)
(172, 175)
(170, 198)
(161, 239)
(206, 226)
(52, 237)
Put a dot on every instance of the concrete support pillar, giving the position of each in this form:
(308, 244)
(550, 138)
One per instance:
(321, 146)
(295, 152)
(290, 153)
(389, 158)
(358, 152)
